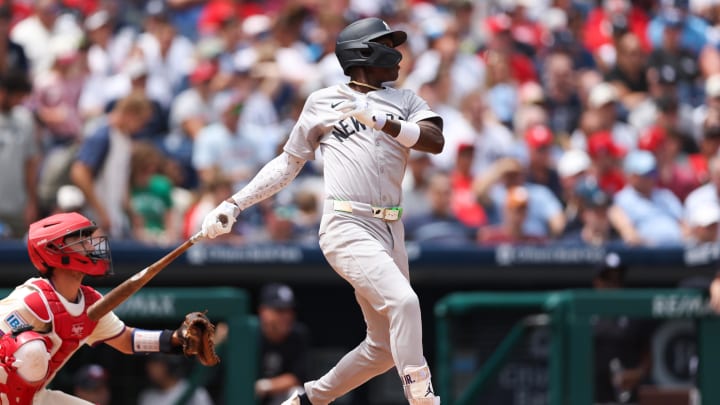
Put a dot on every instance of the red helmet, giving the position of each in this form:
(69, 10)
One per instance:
(47, 248)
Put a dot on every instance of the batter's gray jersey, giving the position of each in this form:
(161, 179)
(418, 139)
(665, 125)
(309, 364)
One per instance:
(360, 164)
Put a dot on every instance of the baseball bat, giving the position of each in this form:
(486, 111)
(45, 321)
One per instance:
(119, 294)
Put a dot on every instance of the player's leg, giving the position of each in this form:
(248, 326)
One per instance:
(369, 359)
(416, 379)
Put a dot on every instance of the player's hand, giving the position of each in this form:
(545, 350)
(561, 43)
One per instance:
(715, 294)
(220, 220)
(362, 109)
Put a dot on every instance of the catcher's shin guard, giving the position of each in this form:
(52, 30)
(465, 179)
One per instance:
(418, 387)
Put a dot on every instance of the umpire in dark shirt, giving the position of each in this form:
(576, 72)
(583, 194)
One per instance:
(284, 344)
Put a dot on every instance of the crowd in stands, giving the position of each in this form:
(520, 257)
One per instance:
(566, 121)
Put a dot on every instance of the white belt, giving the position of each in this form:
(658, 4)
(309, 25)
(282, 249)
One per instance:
(388, 214)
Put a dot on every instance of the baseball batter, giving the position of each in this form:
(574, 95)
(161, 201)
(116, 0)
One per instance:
(365, 132)
(44, 320)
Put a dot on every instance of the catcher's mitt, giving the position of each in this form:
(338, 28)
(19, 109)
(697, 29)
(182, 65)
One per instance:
(197, 335)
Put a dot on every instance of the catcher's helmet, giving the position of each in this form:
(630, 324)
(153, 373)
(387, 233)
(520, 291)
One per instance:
(48, 249)
(355, 46)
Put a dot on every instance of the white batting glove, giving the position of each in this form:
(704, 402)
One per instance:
(362, 109)
(220, 220)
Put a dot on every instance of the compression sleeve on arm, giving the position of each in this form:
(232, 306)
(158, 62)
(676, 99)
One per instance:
(273, 177)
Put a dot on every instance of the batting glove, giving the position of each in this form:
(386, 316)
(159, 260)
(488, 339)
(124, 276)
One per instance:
(362, 109)
(220, 220)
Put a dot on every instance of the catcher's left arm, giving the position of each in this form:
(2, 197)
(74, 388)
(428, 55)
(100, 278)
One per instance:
(194, 337)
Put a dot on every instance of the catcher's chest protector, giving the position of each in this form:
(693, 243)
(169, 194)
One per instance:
(70, 329)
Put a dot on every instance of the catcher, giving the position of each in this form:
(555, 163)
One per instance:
(44, 320)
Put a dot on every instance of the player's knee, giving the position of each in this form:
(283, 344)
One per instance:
(32, 360)
(409, 305)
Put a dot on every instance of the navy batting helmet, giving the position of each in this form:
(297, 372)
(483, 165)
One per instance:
(355, 46)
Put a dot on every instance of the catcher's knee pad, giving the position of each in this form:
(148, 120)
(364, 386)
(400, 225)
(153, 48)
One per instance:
(418, 387)
(31, 357)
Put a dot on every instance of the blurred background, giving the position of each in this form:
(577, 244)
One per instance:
(576, 130)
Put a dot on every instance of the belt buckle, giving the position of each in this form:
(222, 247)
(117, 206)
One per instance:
(388, 214)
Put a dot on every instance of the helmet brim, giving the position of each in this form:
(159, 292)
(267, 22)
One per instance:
(398, 37)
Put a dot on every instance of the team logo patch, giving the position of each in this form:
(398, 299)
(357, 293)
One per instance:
(77, 329)
(14, 320)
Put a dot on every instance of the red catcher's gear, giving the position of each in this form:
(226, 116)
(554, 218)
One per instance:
(18, 390)
(48, 249)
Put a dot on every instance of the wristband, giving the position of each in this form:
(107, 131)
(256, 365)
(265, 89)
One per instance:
(379, 121)
(409, 134)
(151, 341)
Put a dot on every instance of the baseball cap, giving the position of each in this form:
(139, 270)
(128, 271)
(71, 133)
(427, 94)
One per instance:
(640, 162)
(590, 193)
(652, 138)
(538, 136)
(498, 23)
(203, 72)
(707, 213)
(465, 147)
(278, 296)
(573, 162)
(603, 93)
(602, 142)
(672, 17)
(517, 196)
(712, 86)
(90, 377)
(97, 20)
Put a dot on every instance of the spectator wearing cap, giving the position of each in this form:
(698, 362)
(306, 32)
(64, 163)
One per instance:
(284, 345)
(545, 218)
(654, 213)
(663, 107)
(603, 108)
(464, 204)
(620, 342)
(606, 21)
(541, 165)
(673, 172)
(694, 30)
(606, 157)
(593, 226)
(573, 165)
(672, 52)
(511, 229)
(703, 223)
(91, 383)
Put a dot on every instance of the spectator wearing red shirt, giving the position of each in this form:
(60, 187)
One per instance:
(708, 145)
(464, 204)
(606, 22)
(671, 173)
(499, 28)
(606, 157)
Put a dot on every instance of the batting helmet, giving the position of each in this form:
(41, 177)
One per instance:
(355, 46)
(48, 249)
